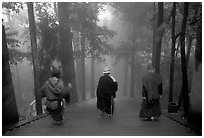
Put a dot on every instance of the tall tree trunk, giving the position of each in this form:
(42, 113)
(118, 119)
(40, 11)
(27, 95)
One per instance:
(183, 61)
(92, 75)
(190, 39)
(172, 54)
(66, 51)
(132, 81)
(132, 77)
(177, 48)
(95, 5)
(158, 40)
(125, 78)
(18, 78)
(83, 72)
(78, 76)
(9, 107)
(154, 35)
(55, 8)
(34, 57)
(44, 61)
(198, 47)
(83, 38)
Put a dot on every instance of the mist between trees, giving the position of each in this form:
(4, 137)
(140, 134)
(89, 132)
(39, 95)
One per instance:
(82, 38)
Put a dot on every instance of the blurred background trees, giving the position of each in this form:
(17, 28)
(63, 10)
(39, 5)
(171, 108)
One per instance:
(82, 38)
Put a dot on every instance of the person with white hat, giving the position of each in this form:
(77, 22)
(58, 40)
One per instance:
(106, 89)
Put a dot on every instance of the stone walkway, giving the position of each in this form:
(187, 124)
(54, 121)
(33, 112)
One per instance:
(83, 119)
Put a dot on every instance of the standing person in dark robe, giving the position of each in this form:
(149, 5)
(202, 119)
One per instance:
(106, 92)
(54, 91)
(151, 92)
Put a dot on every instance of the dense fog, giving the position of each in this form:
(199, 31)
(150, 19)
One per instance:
(132, 24)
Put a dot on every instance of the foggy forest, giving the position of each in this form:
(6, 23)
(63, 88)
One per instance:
(81, 38)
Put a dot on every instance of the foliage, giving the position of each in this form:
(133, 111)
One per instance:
(191, 30)
(137, 17)
(11, 40)
(18, 56)
(84, 17)
(15, 29)
(48, 48)
(123, 51)
(136, 13)
(13, 6)
(98, 41)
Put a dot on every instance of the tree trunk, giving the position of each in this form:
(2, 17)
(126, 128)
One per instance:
(34, 57)
(95, 6)
(190, 39)
(9, 107)
(66, 51)
(183, 61)
(78, 77)
(92, 76)
(83, 72)
(158, 40)
(132, 81)
(187, 61)
(55, 8)
(177, 48)
(125, 78)
(172, 54)
(154, 35)
(198, 47)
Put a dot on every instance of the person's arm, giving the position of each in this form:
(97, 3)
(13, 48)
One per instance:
(115, 86)
(144, 92)
(115, 89)
(42, 91)
(160, 89)
(65, 91)
(99, 87)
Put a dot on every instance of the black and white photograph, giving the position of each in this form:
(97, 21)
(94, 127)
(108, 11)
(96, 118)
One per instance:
(101, 68)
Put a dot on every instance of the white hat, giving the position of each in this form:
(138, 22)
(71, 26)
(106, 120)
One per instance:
(106, 70)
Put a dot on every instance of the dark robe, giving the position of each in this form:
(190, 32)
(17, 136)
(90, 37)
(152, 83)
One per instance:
(106, 89)
(152, 89)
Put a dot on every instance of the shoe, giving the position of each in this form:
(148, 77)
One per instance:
(152, 118)
(156, 118)
(58, 123)
(102, 113)
(109, 115)
(147, 119)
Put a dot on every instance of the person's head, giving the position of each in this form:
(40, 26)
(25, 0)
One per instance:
(106, 70)
(150, 68)
(56, 73)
